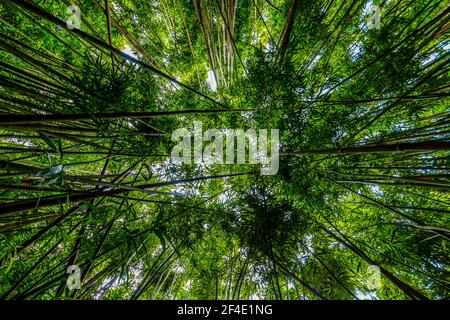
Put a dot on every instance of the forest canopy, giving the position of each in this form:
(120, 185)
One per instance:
(91, 92)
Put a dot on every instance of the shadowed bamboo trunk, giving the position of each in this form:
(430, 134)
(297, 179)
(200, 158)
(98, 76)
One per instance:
(38, 118)
(382, 148)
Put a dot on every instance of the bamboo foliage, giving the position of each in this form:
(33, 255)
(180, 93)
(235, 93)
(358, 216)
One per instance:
(86, 176)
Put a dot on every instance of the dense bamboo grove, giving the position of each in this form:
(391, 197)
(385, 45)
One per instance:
(86, 178)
